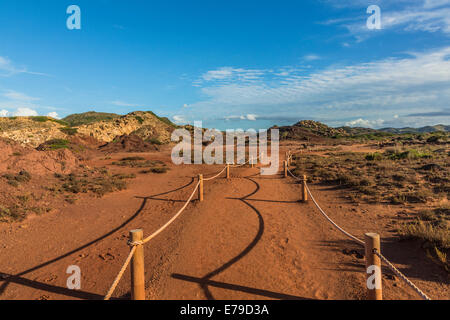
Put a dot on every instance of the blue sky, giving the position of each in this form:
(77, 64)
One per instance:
(231, 64)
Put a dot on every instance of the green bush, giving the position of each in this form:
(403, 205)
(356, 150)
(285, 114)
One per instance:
(155, 141)
(69, 131)
(139, 119)
(374, 156)
(412, 154)
(40, 119)
(56, 144)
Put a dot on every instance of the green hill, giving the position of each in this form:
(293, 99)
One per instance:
(79, 119)
(427, 129)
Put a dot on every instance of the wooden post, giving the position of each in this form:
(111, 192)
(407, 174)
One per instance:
(304, 191)
(200, 188)
(137, 267)
(252, 161)
(372, 241)
(228, 171)
(285, 169)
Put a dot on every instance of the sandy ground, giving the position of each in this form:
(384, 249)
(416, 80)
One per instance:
(250, 239)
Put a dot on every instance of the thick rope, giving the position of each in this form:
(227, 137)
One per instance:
(401, 275)
(247, 162)
(150, 237)
(292, 175)
(134, 244)
(121, 272)
(384, 259)
(332, 222)
(217, 175)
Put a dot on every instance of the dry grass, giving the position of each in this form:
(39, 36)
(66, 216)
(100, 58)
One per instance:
(396, 176)
(421, 230)
(98, 182)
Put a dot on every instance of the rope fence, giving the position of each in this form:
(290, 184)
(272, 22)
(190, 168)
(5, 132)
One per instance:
(136, 242)
(374, 251)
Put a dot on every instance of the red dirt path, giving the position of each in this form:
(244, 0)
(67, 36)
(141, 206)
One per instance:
(249, 239)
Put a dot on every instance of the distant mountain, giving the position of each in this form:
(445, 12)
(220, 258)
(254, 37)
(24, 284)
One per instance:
(310, 130)
(427, 129)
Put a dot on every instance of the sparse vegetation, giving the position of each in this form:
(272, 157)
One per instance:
(138, 162)
(75, 120)
(10, 214)
(54, 144)
(139, 119)
(397, 176)
(157, 170)
(45, 119)
(154, 141)
(99, 182)
(15, 180)
(69, 131)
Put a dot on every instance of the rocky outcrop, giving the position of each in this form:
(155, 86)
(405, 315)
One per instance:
(29, 131)
(34, 131)
(320, 129)
(143, 124)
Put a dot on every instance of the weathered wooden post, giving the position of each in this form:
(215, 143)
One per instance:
(251, 160)
(200, 188)
(304, 190)
(285, 169)
(228, 171)
(373, 267)
(137, 266)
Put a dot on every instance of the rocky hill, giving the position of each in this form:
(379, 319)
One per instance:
(427, 129)
(79, 119)
(309, 130)
(31, 131)
(146, 125)
(104, 127)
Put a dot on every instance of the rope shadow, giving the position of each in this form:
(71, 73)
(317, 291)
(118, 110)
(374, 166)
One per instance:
(260, 292)
(54, 289)
(136, 214)
(263, 200)
(17, 278)
(205, 282)
(155, 196)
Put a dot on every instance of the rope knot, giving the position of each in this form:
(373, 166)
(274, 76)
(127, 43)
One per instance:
(135, 243)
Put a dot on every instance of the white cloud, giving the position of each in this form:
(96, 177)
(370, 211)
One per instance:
(372, 90)
(251, 117)
(365, 123)
(415, 15)
(18, 96)
(8, 68)
(4, 113)
(435, 3)
(25, 112)
(225, 74)
(179, 119)
(311, 57)
(221, 73)
(53, 115)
